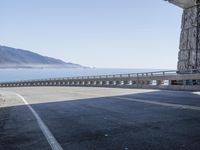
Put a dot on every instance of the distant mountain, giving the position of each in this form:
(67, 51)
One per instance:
(18, 58)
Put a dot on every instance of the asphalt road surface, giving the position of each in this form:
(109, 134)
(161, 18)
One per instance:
(73, 118)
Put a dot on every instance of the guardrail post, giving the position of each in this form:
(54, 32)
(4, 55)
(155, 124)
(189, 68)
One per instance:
(163, 73)
(158, 82)
(184, 82)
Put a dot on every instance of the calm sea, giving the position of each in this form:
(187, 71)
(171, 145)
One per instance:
(26, 74)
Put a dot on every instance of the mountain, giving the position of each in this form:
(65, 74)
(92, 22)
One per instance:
(19, 58)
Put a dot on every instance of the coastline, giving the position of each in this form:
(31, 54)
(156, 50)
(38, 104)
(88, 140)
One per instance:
(42, 67)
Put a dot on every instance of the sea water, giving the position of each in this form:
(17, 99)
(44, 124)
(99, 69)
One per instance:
(29, 74)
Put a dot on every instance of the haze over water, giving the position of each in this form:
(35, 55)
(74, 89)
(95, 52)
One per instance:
(30, 74)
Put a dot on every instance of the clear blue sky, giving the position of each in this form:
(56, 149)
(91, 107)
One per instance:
(99, 33)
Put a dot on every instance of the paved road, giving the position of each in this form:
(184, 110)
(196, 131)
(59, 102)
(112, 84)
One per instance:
(45, 118)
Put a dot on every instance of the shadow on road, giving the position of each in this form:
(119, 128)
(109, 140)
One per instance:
(106, 123)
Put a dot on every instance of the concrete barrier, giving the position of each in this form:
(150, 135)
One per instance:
(169, 80)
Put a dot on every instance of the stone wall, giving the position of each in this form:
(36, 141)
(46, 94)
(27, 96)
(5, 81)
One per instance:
(189, 54)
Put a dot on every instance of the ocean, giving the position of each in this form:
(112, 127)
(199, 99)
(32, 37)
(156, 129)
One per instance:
(28, 74)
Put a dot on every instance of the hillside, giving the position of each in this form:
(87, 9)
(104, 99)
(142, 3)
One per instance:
(17, 58)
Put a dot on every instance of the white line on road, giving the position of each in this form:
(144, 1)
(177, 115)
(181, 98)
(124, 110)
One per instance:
(180, 106)
(47, 133)
(160, 103)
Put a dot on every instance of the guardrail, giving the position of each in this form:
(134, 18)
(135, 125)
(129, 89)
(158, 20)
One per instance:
(190, 80)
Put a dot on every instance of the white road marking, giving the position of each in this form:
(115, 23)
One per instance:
(180, 106)
(160, 103)
(47, 133)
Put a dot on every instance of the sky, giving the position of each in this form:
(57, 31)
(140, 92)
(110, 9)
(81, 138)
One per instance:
(95, 33)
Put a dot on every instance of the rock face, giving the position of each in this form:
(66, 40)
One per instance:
(189, 54)
(18, 58)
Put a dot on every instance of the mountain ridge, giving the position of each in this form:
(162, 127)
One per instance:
(20, 58)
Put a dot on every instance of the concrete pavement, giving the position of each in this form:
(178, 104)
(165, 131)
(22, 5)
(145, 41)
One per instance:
(99, 119)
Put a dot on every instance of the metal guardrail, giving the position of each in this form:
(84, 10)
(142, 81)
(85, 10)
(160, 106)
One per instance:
(109, 76)
(159, 80)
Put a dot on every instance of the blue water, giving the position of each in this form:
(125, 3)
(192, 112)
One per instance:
(26, 74)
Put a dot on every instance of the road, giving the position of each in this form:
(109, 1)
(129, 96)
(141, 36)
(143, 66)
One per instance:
(74, 118)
